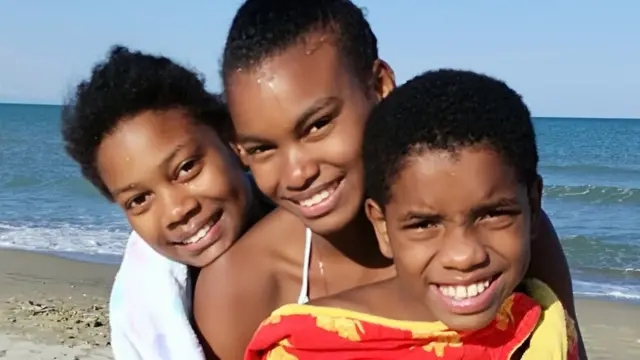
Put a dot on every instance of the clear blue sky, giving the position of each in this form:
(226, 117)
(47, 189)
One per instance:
(568, 58)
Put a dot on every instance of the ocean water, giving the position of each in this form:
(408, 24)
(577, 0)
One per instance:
(591, 169)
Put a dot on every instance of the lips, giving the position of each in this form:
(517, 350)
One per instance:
(468, 297)
(202, 231)
(319, 197)
(461, 292)
(318, 201)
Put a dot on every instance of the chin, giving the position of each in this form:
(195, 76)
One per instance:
(470, 322)
(333, 222)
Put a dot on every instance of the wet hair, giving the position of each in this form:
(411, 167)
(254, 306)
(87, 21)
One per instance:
(447, 110)
(265, 28)
(124, 85)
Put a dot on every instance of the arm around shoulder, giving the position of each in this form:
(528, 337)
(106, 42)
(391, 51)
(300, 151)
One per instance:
(549, 264)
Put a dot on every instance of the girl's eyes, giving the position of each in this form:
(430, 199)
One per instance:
(137, 201)
(314, 129)
(259, 149)
(186, 167)
(319, 124)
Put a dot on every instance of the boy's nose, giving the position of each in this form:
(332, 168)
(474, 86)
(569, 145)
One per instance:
(463, 252)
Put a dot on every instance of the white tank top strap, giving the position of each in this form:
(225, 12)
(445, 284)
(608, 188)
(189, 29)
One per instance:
(303, 298)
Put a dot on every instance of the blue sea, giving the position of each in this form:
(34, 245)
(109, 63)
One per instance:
(591, 169)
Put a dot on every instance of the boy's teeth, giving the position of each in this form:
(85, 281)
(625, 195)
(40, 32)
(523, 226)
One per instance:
(317, 198)
(200, 234)
(464, 292)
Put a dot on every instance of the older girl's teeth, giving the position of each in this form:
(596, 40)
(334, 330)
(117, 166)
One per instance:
(317, 198)
(200, 234)
(464, 292)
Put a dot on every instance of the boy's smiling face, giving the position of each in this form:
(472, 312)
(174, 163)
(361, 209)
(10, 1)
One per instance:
(177, 182)
(458, 226)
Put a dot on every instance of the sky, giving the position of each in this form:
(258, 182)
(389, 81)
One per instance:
(576, 58)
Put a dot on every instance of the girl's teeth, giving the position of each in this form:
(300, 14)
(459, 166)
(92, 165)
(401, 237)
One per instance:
(464, 292)
(317, 198)
(200, 234)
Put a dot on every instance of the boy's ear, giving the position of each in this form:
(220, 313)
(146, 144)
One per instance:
(376, 217)
(535, 204)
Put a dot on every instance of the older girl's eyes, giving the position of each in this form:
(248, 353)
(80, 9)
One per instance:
(319, 124)
(186, 167)
(258, 149)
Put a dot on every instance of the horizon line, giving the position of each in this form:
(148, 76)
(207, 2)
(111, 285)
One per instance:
(533, 116)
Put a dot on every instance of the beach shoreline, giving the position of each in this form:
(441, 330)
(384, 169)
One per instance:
(56, 308)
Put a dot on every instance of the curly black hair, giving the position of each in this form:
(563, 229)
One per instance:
(264, 28)
(447, 110)
(128, 83)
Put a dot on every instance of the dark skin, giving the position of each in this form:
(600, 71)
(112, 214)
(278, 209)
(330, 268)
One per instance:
(300, 119)
(164, 170)
(443, 230)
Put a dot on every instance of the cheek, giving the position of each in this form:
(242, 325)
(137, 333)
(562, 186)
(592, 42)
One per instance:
(411, 257)
(267, 176)
(513, 243)
(343, 148)
(217, 179)
(148, 226)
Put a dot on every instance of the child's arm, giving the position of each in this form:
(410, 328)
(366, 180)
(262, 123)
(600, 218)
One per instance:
(549, 264)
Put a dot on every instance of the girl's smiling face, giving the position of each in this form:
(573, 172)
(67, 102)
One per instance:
(299, 118)
(180, 187)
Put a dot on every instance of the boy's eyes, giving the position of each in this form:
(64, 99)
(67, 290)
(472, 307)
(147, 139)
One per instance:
(489, 215)
(422, 225)
(498, 213)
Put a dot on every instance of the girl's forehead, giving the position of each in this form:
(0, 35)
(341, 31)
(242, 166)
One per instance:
(282, 89)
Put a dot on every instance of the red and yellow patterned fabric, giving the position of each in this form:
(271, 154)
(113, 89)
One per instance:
(306, 332)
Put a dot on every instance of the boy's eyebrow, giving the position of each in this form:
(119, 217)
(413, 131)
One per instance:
(420, 215)
(300, 120)
(426, 215)
(167, 159)
(500, 202)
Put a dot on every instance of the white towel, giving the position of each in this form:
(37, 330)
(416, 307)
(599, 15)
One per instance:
(150, 307)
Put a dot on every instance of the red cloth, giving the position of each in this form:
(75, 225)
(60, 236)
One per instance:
(307, 332)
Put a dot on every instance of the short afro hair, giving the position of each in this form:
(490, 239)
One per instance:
(124, 85)
(265, 28)
(447, 110)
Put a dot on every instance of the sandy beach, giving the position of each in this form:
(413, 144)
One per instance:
(54, 308)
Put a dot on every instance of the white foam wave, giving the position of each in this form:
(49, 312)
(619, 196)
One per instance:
(66, 238)
(592, 289)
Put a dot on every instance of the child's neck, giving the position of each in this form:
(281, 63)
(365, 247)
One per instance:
(356, 241)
